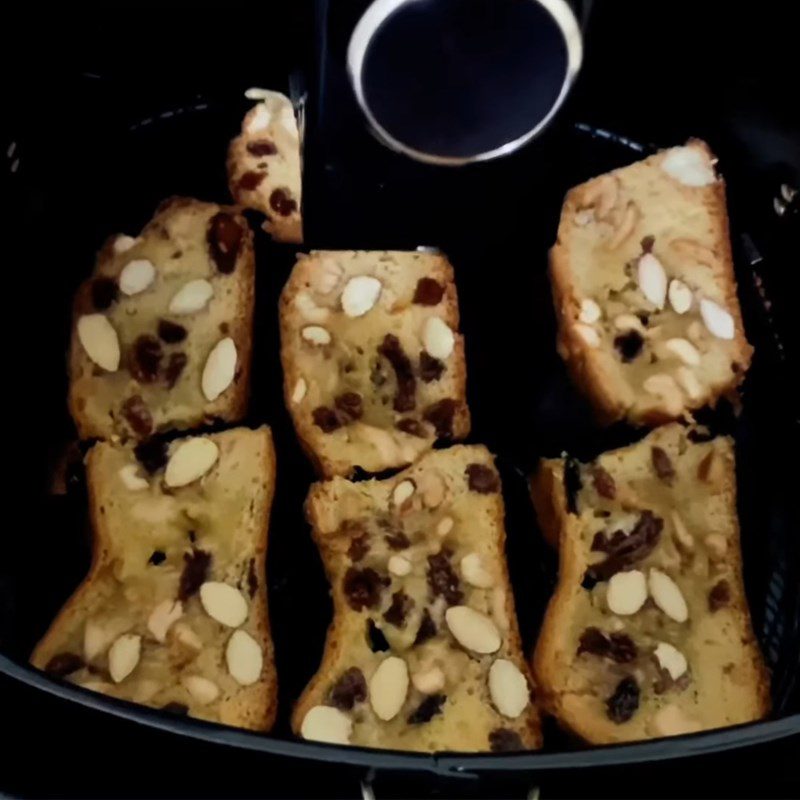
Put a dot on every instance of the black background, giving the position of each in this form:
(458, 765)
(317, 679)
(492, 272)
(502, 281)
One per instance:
(657, 71)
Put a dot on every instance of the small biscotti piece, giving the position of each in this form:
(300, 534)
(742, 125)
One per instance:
(173, 613)
(264, 165)
(163, 329)
(648, 633)
(424, 652)
(373, 363)
(645, 295)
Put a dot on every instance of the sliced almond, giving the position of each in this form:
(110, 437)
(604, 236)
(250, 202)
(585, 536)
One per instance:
(244, 658)
(224, 603)
(202, 689)
(472, 630)
(601, 194)
(664, 387)
(403, 492)
(327, 724)
(628, 223)
(316, 335)
(718, 321)
(399, 565)
(680, 296)
(432, 488)
(325, 276)
(683, 538)
(136, 276)
(162, 617)
(684, 350)
(444, 526)
(629, 322)
(590, 311)
(220, 369)
(692, 250)
(190, 460)
(123, 656)
(588, 334)
(671, 659)
(124, 243)
(689, 382)
(667, 595)
(132, 479)
(508, 688)
(429, 681)
(388, 687)
(690, 166)
(671, 720)
(187, 637)
(193, 296)
(474, 572)
(360, 294)
(100, 341)
(627, 592)
(717, 546)
(437, 338)
(299, 391)
(652, 279)
(259, 119)
(309, 310)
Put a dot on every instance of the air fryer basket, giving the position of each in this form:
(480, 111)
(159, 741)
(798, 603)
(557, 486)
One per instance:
(127, 147)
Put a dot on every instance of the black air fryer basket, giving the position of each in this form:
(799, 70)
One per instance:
(94, 147)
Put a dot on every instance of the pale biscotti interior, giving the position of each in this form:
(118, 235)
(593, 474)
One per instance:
(163, 328)
(423, 652)
(264, 167)
(173, 613)
(645, 295)
(648, 633)
(373, 363)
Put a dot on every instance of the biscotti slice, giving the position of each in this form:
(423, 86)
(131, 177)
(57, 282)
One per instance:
(264, 165)
(373, 363)
(648, 632)
(642, 276)
(423, 652)
(163, 329)
(173, 613)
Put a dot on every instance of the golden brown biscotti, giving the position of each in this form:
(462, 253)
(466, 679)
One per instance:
(423, 652)
(642, 276)
(264, 166)
(162, 330)
(373, 364)
(648, 633)
(173, 613)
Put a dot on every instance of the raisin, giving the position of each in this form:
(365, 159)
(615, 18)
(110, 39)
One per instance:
(224, 237)
(443, 579)
(375, 638)
(662, 465)
(362, 587)
(175, 366)
(625, 551)
(618, 646)
(412, 427)
(151, 454)
(647, 244)
(251, 180)
(427, 709)
(428, 292)
(252, 578)
(602, 544)
(440, 415)
(262, 147)
(351, 688)
(430, 368)
(350, 406)
(629, 345)
(603, 483)
(719, 596)
(427, 628)
(138, 416)
(146, 358)
(623, 703)
(195, 571)
(326, 418)
(359, 547)
(63, 664)
(178, 709)
(482, 479)
(623, 649)
(589, 581)
(170, 332)
(392, 351)
(398, 609)
(593, 641)
(282, 202)
(397, 540)
(503, 740)
(104, 293)
(572, 483)
(157, 557)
